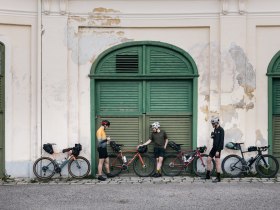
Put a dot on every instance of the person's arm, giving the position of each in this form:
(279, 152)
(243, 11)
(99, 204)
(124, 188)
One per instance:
(146, 143)
(166, 142)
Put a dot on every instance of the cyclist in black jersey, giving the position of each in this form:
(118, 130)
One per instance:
(218, 144)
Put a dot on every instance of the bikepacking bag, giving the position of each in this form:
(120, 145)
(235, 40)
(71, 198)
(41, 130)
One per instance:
(252, 149)
(174, 146)
(48, 148)
(231, 145)
(76, 150)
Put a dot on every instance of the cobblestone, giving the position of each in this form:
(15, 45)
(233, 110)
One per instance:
(133, 180)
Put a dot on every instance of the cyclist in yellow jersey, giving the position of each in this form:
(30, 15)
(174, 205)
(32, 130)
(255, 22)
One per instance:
(103, 139)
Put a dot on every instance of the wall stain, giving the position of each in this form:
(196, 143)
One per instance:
(260, 140)
(246, 75)
(233, 134)
(99, 16)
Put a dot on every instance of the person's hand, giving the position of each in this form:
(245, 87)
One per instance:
(217, 154)
(108, 138)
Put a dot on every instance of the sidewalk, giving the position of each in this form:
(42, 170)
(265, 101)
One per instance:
(134, 180)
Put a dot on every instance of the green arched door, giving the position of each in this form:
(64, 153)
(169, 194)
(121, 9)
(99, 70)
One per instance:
(274, 104)
(136, 83)
(2, 109)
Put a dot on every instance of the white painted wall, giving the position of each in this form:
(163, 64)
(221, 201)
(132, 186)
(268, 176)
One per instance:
(229, 40)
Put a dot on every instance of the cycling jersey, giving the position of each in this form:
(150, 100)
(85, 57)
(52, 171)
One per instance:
(101, 137)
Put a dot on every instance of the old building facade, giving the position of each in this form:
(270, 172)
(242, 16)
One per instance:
(67, 64)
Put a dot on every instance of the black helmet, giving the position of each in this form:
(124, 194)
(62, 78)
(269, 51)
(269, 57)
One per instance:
(105, 122)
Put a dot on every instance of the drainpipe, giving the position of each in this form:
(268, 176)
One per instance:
(39, 79)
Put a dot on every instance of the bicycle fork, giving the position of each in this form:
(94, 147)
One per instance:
(142, 162)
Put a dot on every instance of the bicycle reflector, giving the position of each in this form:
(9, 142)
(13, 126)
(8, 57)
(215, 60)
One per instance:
(174, 146)
(143, 149)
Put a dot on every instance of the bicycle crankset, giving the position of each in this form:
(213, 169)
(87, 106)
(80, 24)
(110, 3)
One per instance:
(124, 167)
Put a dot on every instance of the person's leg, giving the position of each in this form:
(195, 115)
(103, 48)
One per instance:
(209, 163)
(106, 163)
(218, 166)
(100, 165)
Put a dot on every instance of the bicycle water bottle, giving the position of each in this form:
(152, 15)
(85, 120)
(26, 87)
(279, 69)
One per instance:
(124, 159)
(184, 159)
(189, 159)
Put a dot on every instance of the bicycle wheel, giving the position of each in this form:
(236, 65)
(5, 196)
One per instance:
(267, 166)
(79, 167)
(115, 165)
(44, 168)
(172, 165)
(145, 169)
(232, 166)
(200, 166)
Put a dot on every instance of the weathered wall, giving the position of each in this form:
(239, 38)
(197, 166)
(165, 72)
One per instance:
(231, 41)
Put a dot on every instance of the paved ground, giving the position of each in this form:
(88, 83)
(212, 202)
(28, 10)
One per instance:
(135, 180)
(128, 193)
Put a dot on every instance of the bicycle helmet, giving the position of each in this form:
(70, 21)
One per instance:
(143, 149)
(215, 120)
(105, 122)
(155, 125)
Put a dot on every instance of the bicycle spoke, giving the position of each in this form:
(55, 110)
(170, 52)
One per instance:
(232, 166)
(79, 167)
(267, 166)
(172, 165)
(145, 169)
(44, 168)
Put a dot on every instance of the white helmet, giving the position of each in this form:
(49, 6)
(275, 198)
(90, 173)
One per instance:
(215, 120)
(155, 125)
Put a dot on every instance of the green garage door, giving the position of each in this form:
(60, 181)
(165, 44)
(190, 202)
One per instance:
(136, 83)
(276, 118)
(2, 109)
(132, 106)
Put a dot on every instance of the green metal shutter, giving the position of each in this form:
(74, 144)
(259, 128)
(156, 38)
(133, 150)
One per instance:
(127, 60)
(170, 103)
(121, 103)
(276, 118)
(2, 110)
(276, 96)
(276, 136)
(165, 61)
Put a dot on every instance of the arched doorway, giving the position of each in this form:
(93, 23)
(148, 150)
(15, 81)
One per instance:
(136, 83)
(2, 109)
(273, 74)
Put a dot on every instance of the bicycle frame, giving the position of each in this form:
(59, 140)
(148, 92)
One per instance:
(193, 153)
(137, 154)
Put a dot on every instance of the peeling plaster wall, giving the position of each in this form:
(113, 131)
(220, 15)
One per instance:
(231, 42)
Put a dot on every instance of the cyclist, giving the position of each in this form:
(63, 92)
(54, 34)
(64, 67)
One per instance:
(159, 137)
(103, 139)
(218, 144)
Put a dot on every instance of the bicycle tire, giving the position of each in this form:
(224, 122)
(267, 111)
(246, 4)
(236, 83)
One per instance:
(267, 170)
(144, 170)
(79, 167)
(172, 165)
(232, 166)
(200, 166)
(115, 165)
(44, 168)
